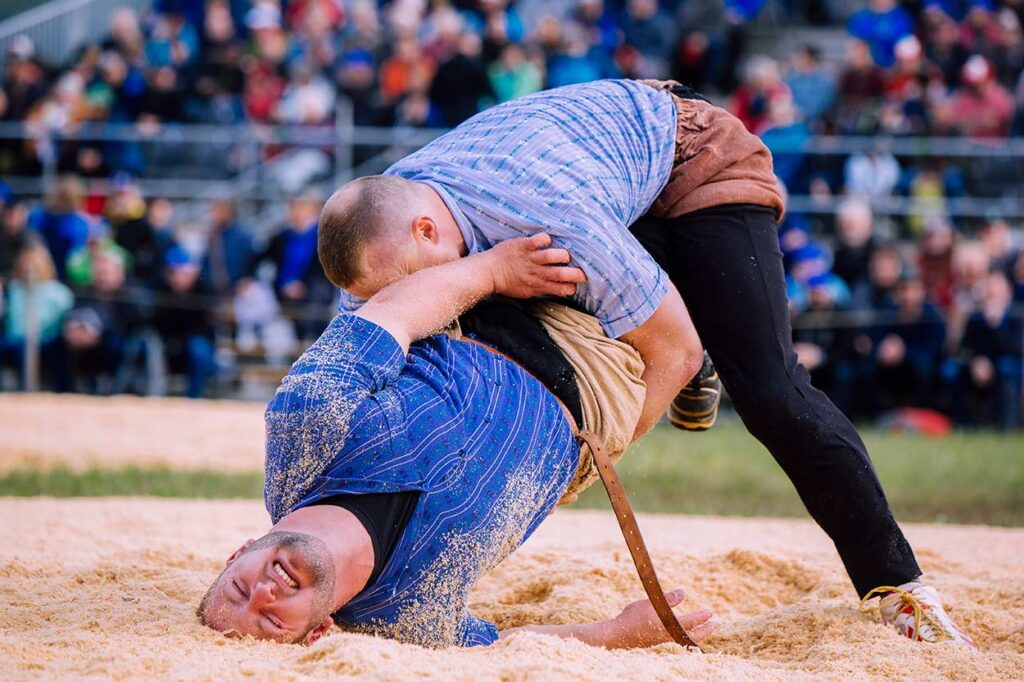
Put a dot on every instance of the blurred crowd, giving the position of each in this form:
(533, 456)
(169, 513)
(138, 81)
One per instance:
(938, 67)
(128, 297)
(890, 311)
(931, 324)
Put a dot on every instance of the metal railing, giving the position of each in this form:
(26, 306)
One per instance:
(60, 27)
(267, 164)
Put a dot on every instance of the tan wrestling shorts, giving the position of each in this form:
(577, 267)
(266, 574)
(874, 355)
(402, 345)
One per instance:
(608, 374)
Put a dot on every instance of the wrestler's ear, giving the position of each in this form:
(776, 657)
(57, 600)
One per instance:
(238, 552)
(424, 228)
(318, 632)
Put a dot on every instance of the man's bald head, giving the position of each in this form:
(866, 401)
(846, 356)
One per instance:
(365, 211)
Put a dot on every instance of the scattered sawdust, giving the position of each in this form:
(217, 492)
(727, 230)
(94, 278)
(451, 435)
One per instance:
(107, 588)
(45, 430)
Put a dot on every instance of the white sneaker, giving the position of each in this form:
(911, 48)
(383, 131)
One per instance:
(916, 611)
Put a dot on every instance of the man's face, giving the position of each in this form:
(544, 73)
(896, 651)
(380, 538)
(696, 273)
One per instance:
(279, 587)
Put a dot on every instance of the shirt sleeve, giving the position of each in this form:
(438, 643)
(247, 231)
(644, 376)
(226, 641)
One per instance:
(308, 419)
(477, 632)
(624, 285)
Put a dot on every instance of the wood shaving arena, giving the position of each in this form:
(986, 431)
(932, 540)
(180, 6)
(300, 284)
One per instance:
(108, 588)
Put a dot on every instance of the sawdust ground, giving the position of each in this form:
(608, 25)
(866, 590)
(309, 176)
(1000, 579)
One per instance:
(45, 430)
(107, 588)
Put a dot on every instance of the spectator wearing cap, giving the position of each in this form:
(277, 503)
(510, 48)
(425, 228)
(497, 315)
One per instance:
(821, 346)
(264, 82)
(912, 83)
(981, 108)
(356, 78)
(24, 82)
(126, 213)
(908, 347)
(81, 265)
(61, 222)
(229, 250)
(813, 86)
(881, 25)
(102, 329)
(183, 318)
(986, 371)
(34, 289)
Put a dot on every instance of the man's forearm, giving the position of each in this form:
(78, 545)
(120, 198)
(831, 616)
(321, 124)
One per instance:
(672, 355)
(426, 301)
(600, 634)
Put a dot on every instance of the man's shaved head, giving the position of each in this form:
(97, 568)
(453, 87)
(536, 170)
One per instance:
(362, 212)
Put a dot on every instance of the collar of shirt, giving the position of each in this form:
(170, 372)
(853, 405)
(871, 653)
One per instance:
(468, 233)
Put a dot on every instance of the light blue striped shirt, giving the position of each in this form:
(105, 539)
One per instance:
(582, 163)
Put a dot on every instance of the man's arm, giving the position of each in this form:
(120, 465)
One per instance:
(672, 355)
(426, 301)
(636, 627)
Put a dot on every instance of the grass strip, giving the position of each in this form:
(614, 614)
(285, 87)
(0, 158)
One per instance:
(966, 478)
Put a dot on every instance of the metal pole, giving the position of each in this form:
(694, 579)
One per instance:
(31, 365)
(344, 141)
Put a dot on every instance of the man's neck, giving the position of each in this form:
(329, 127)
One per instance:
(347, 541)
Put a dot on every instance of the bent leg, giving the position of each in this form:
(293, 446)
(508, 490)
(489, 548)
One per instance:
(727, 265)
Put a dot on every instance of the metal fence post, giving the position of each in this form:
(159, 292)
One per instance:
(344, 140)
(30, 367)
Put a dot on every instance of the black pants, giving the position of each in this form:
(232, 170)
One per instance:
(727, 265)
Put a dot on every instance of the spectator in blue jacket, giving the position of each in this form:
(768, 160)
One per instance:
(229, 250)
(61, 222)
(881, 25)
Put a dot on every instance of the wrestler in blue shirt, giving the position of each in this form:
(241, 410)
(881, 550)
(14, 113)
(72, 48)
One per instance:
(371, 409)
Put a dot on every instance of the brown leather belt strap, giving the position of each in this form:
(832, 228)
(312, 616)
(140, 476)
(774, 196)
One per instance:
(631, 532)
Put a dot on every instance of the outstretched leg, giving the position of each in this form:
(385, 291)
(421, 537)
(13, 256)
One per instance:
(727, 265)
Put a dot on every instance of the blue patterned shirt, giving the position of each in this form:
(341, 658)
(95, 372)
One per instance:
(582, 162)
(487, 446)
